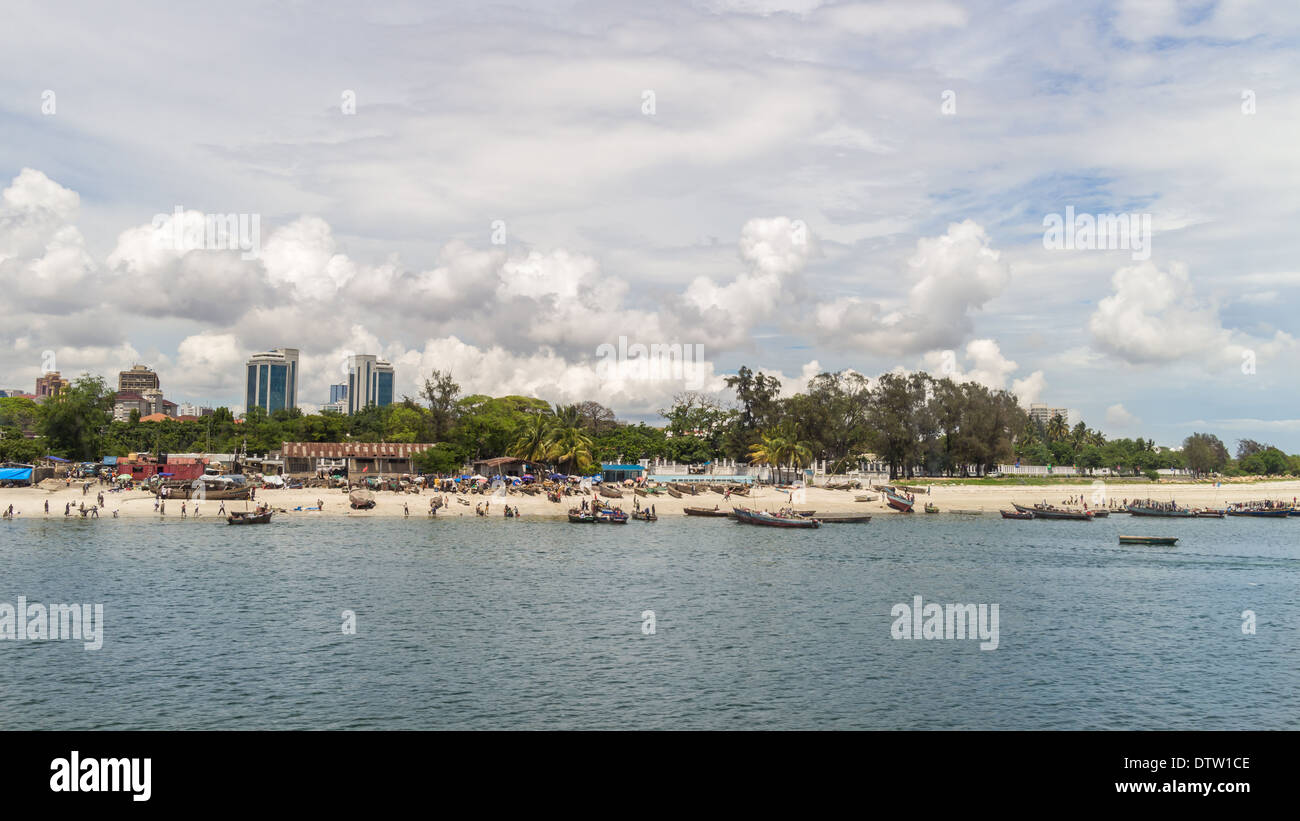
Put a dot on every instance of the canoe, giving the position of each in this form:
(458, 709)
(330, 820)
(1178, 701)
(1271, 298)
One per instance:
(610, 493)
(581, 518)
(644, 516)
(641, 492)
(704, 511)
(770, 520)
(931, 507)
(844, 518)
(676, 494)
(1206, 513)
(1040, 512)
(1016, 514)
(238, 518)
(612, 517)
(1167, 540)
(1268, 513)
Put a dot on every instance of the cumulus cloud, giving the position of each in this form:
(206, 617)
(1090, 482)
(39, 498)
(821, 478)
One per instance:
(1154, 315)
(955, 275)
(1117, 416)
(986, 365)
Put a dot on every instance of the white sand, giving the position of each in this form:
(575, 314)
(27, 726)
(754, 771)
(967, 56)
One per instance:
(29, 502)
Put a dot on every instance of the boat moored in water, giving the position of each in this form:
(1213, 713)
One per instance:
(1150, 540)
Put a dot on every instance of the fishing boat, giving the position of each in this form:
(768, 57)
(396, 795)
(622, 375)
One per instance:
(1260, 512)
(645, 516)
(1166, 540)
(844, 518)
(1167, 513)
(774, 520)
(610, 492)
(704, 511)
(1209, 513)
(640, 491)
(611, 517)
(931, 507)
(676, 494)
(363, 499)
(1016, 514)
(258, 517)
(1100, 513)
(1048, 512)
(898, 501)
(581, 517)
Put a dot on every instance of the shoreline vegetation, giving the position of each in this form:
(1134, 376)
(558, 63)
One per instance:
(913, 427)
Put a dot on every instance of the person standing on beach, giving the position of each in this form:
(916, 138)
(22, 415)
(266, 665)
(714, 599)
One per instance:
(222, 510)
(47, 507)
(406, 510)
(182, 510)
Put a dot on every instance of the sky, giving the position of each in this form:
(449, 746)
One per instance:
(505, 191)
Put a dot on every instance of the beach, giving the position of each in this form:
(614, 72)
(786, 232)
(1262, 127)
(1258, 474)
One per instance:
(29, 502)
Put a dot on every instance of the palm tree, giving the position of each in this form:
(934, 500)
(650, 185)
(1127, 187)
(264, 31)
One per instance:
(770, 449)
(533, 441)
(566, 442)
(1057, 429)
(571, 448)
(782, 447)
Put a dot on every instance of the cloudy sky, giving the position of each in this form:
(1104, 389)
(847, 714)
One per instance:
(500, 189)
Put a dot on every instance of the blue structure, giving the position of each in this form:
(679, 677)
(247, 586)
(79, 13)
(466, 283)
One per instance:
(272, 380)
(617, 473)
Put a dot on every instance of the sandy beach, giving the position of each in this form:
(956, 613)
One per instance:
(29, 502)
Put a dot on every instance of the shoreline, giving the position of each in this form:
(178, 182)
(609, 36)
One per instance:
(29, 503)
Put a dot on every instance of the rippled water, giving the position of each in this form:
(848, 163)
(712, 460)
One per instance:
(471, 623)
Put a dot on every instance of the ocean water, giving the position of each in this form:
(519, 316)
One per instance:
(497, 623)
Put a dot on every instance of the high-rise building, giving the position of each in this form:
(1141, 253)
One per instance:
(272, 380)
(139, 378)
(1042, 414)
(190, 409)
(338, 393)
(370, 382)
(51, 384)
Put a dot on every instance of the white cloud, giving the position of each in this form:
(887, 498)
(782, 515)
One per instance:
(1117, 416)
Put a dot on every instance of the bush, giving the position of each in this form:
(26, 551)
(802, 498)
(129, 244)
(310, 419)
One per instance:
(1152, 475)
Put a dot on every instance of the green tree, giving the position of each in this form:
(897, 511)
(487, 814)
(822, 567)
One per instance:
(75, 421)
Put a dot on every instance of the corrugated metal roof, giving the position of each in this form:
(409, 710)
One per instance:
(349, 450)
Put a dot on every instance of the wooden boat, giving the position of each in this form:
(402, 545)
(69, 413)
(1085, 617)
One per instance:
(644, 516)
(1016, 514)
(770, 520)
(704, 511)
(610, 492)
(1041, 512)
(611, 517)
(1260, 512)
(1209, 513)
(1172, 513)
(676, 494)
(363, 499)
(931, 507)
(1100, 513)
(1167, 540)
(246, 518)
(865, 497)
(640, 491)
(581, 517)
(898, 501)
(844, 518)
(804, 512)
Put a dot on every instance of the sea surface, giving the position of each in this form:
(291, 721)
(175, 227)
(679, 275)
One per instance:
(497, 623)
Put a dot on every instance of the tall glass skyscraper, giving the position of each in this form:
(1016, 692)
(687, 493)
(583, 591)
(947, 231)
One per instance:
(370, 382)
(273, 380)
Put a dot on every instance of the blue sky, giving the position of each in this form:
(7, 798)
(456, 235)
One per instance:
(817, 186)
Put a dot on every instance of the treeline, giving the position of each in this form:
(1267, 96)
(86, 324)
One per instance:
(913, 423)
